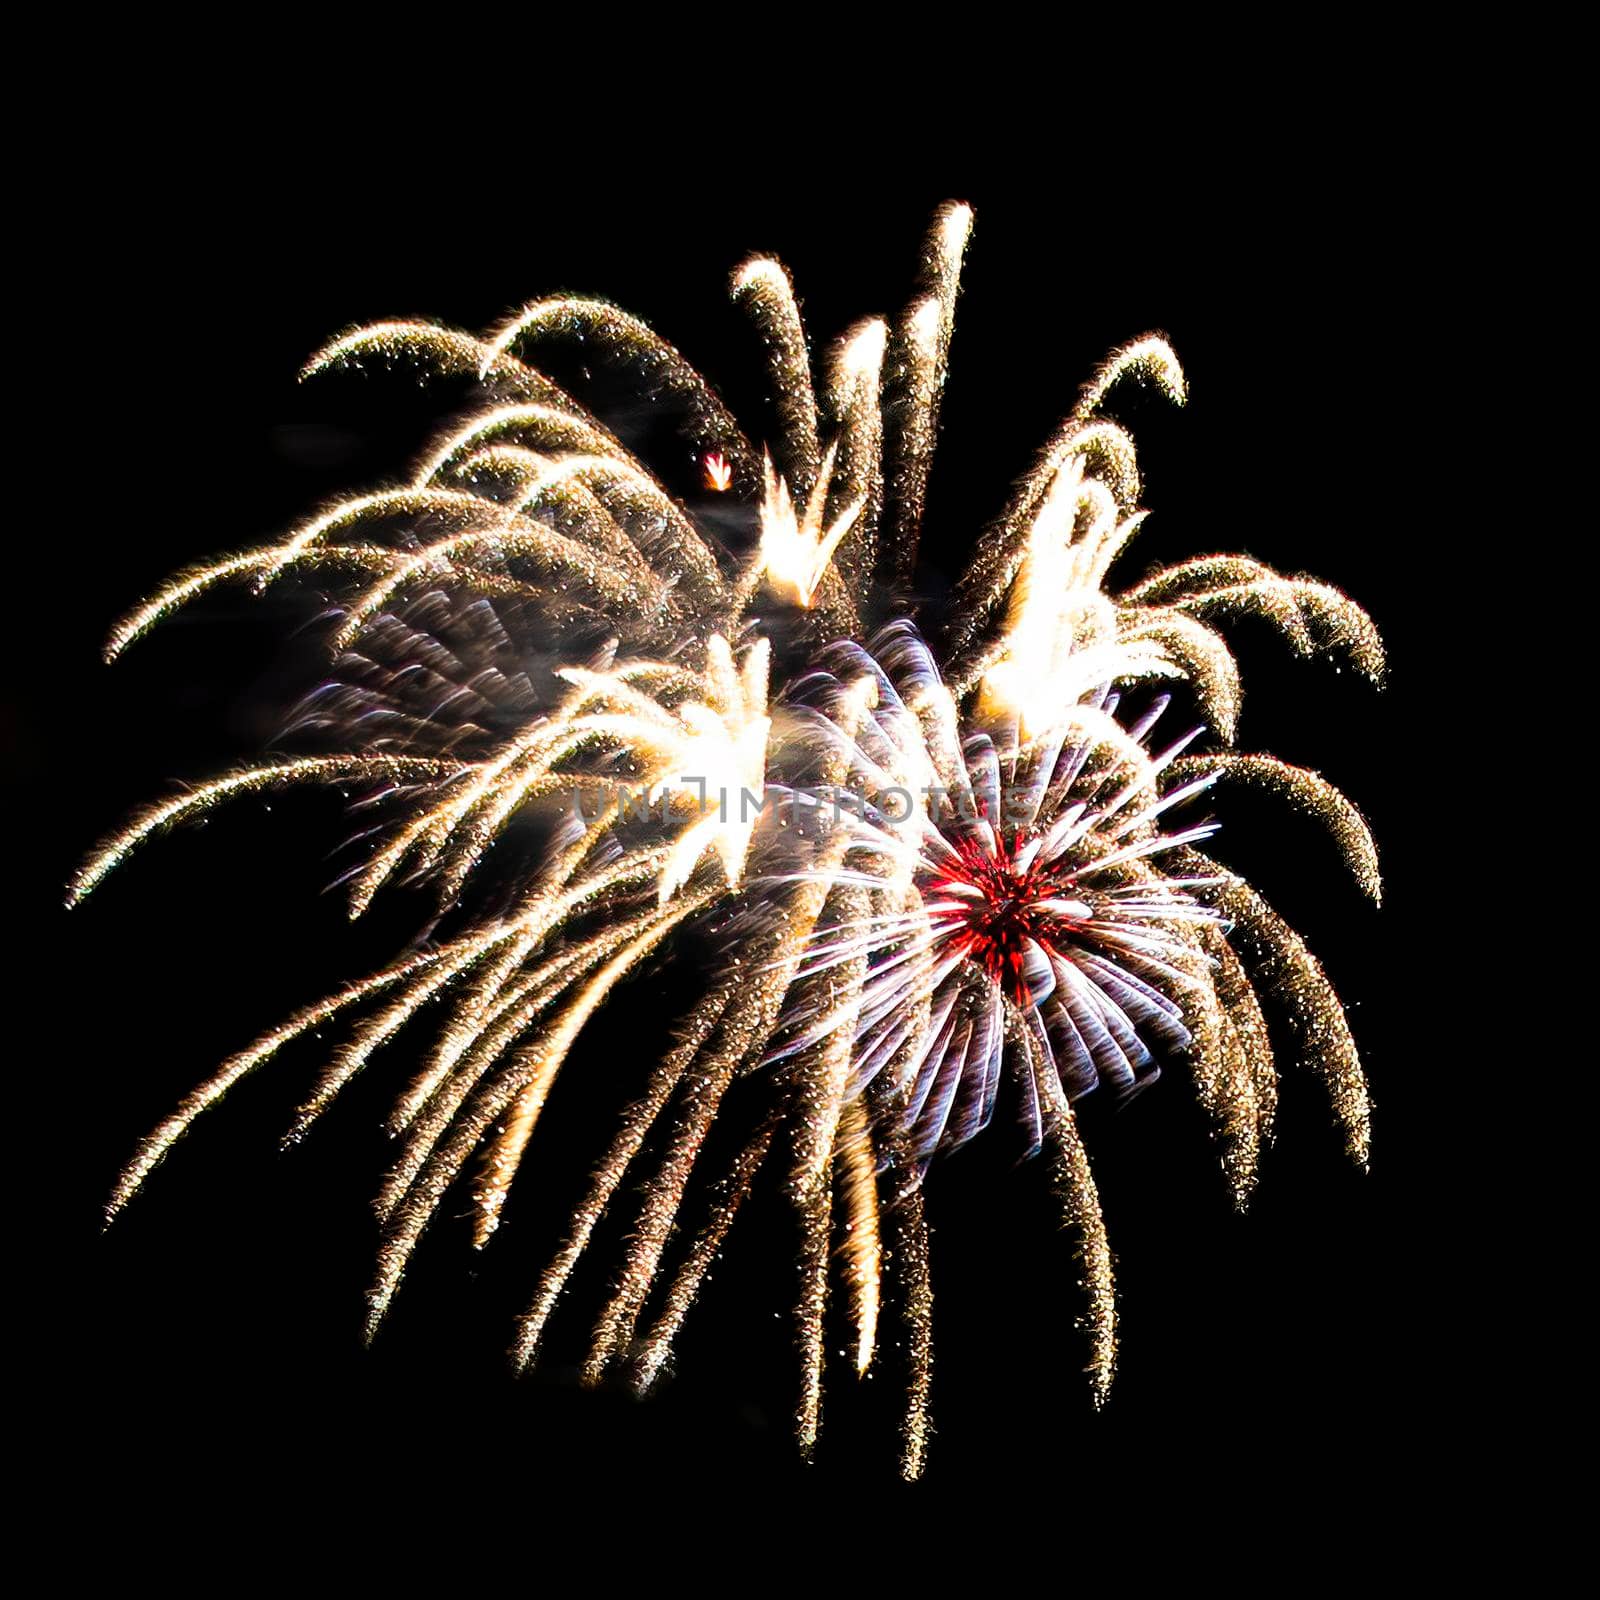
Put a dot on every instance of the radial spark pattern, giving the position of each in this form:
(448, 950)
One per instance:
(924, 881)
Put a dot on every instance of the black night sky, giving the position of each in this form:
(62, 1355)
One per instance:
(220, 1317)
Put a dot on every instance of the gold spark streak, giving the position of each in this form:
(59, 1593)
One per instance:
(636, 1126)
(863, 1246)
(1309, 792)
(740, 1033)
(656, 1346)
(545, 911)
(1151, 357)
(421, 499)
(1198, 575)
(664, 367)
(264, 564)
(683, 551)
(419, 1181)
(446, 351)
(822, 1081)
(568, 562)
(722, 744)
(348, 1061)
(551, 426)
(155, 1144)
(363, 558)
(1224, 1077)
(1285, 968)
(439, 821)
(1239, 586)
(1100, 445)
(1203, 657)
(479, 813)
(548, 1055)
(1081, 1200)
(515, 471)
(1340, 621)
(1238, 995)
(763, 285)
(908, 1256)
(473, 1015)
(743, 1032)
(154, 819)
(821, 1086)
(423, 1119)
(857, 404)
(813, 1202)
(923, 350)
(504, 784)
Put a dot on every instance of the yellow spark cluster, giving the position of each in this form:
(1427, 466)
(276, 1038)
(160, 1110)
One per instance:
(653, 761)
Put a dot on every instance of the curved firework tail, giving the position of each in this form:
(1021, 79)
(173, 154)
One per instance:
(943, 884)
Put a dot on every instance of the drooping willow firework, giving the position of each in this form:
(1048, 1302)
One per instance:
(928, 880)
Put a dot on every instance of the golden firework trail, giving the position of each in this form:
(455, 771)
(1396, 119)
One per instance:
(932, 878)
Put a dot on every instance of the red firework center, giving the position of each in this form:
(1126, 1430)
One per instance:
(1014, 912)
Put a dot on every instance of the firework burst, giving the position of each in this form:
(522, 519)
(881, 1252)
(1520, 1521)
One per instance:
(934, 881)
